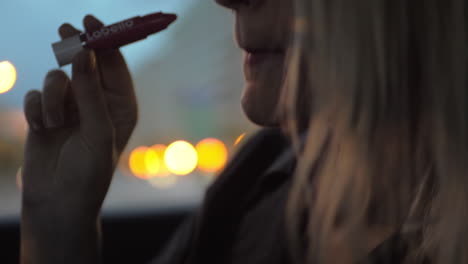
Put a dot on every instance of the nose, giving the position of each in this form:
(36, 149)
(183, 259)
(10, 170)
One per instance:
(233, 4)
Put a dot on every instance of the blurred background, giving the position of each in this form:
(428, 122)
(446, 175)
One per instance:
(188, 81)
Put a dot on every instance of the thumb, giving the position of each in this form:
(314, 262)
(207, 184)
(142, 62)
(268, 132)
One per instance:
(89, 95)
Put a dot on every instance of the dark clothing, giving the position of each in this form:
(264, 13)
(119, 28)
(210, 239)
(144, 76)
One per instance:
(242, 218)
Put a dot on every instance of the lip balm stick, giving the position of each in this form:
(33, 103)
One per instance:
(113, 36)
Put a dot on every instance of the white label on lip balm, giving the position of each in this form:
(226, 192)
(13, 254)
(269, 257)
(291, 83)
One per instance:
(105, 31)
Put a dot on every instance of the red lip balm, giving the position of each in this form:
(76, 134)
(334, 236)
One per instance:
(113, 36)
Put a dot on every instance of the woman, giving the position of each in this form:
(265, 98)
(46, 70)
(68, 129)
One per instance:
(372, 94)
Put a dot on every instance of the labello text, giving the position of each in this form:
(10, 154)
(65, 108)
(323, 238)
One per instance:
(112, 29)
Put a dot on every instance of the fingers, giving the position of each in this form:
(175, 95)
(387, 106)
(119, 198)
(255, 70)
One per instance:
(72, 117)
(91, 23)
(111, 64)
(115, 81)
(33, 110)
(88, 92)
(66, 30)
(53, 98)
(71, 110)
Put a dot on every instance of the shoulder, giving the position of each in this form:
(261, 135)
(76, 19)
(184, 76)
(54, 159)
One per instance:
(225, 201)
(264, 139)
(254, 157)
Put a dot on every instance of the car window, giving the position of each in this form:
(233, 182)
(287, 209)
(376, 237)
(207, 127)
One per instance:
(188, 81)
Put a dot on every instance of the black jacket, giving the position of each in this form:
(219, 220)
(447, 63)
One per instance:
(242, 218)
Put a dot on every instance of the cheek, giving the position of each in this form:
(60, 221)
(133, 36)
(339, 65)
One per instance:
(280, 15)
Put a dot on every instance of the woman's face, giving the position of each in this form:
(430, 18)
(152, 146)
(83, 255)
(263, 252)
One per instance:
(262, 31)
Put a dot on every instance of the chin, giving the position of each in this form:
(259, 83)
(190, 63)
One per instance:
(260, 105)
(262, 89)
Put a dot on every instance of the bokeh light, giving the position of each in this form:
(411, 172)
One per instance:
(7, 76)
(212, 155)
(239, 139)
(181, 158)
(160, 149)
(137, 162)
(152, 163)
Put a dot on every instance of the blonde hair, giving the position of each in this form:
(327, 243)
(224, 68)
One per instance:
(385, 82)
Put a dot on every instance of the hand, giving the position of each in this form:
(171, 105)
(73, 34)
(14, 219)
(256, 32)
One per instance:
(78, 129)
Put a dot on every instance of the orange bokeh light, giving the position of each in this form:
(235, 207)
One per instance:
(152, 163)
(239, 139)
(137, 162)
(160, 149)
(212, 155)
